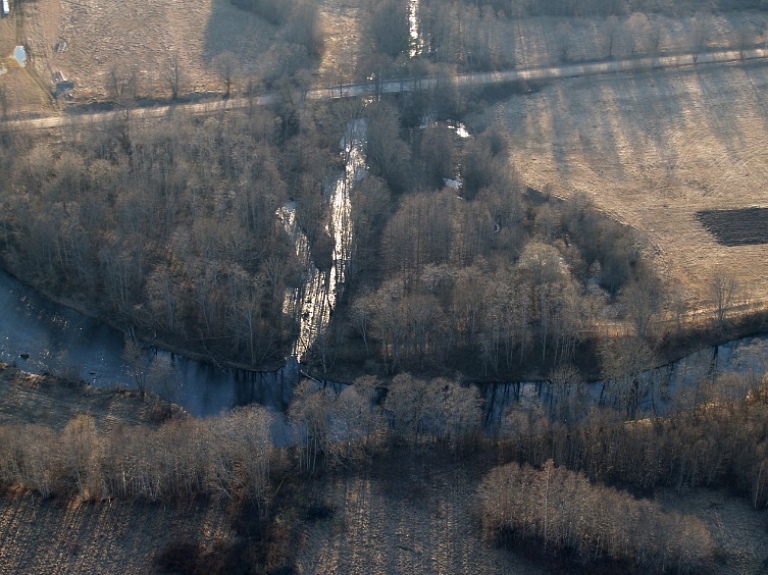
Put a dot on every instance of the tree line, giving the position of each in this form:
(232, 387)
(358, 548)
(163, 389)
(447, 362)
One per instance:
(578, 491)
(557, 511)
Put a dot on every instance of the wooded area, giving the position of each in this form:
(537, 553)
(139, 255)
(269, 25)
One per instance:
(577, 491)
(172, 229)
(205, 233)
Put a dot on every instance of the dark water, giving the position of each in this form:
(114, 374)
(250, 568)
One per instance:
(38, 335)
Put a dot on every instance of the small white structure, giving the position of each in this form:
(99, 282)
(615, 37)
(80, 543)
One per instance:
(6, 8)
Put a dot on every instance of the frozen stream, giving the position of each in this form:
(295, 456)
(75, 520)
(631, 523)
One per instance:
(314, 303)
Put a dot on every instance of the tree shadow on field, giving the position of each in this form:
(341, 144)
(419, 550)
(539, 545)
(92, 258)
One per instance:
(647, 116)
(242, 33)
(721, 117)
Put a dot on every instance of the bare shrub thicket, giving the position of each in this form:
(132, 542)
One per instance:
(562, 511)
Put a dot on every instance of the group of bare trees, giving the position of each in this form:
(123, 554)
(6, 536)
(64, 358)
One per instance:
(227, 456)
(171, 227)
(712, 437)
(347, 426)
(557, 511)
(482, 275)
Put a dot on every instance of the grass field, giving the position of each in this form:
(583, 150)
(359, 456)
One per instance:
(55, 537)
(652, 150)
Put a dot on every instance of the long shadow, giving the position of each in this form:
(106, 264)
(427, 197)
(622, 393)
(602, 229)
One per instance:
(649, 113)
(242, 33)
(722, 116)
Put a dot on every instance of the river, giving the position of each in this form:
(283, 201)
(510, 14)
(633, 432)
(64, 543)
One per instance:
(38, 335)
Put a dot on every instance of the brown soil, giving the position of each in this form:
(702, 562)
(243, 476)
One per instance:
(736, 227)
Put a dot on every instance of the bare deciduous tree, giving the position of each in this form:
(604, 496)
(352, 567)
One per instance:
(228, 69)
(173, 77)
(722, 289)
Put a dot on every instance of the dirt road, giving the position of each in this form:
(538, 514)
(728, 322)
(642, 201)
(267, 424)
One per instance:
(403, 85)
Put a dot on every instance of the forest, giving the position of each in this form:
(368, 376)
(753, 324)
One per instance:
(171, 229)
(186, 231)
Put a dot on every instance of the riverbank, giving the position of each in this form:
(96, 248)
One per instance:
(53, 401)
(694, 336)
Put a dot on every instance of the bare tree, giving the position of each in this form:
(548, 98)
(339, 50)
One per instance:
(309, 414)
(722, 290)
(3, 102)
(623, 361)
(136, 362)
(743, 38)
(173, 77)
(701, 32)
(228, 69)
(642, 299)
(122, 83)
(564, 47)
(612, 29)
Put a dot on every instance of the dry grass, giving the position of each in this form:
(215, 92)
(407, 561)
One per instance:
(85, 39)
(415, 518)
(739, 533)
(146, 36)
(51, 401)
(341, 23)
(21, 88)
(50, 537)
(652, 149)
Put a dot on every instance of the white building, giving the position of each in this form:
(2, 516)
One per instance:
(6, 8)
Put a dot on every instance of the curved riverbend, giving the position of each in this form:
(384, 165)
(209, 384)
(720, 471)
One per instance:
(39, 335)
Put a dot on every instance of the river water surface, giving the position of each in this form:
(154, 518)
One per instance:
(38, 335)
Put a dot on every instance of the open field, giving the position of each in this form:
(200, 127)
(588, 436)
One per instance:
(419, 519)
(54, 537)
(414, 519)
(739, 533)
(652, 149)
(85, 41)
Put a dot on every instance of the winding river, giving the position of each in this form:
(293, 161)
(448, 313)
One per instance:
(38, 335)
